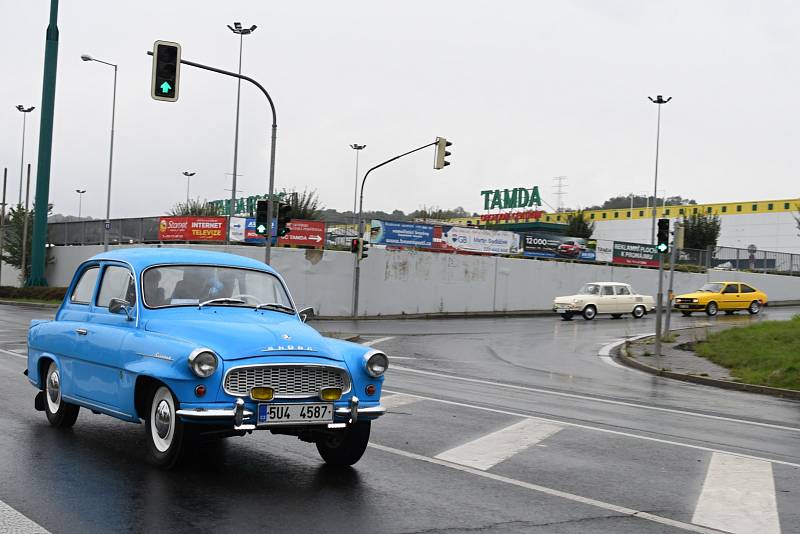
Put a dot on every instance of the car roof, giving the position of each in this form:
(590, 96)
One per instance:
(142, 257)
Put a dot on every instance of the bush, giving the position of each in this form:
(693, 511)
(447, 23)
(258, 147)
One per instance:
(33, 293)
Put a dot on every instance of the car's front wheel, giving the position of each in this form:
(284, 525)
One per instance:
(164, 429)
(589, 312)
(712, 309)
(754, 307)
(345, 447)
(60, 413)
(638, 312)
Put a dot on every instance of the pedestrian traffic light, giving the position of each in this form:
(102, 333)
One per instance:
(354, 245)
(441, 153)
(262, 217)
(662, 237)
(284, 216)
(166, 71)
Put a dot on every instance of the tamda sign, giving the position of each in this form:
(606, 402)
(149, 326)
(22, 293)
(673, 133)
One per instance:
(506, 199)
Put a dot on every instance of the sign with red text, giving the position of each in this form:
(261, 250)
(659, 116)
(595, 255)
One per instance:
(304, 233)
(192, 229)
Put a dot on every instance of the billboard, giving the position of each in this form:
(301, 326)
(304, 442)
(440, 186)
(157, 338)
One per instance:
(634, 254)
(547, 245)
(304, 233)
(192, 229)
(400, 234)
(456, 238)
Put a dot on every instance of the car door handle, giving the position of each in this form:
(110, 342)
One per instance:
(81, 331)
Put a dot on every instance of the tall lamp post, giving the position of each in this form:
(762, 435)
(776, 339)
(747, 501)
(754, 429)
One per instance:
(107, 224)
(358, 148)
(658, 100)
(241, 32)
(80, 200)
(188, 176)
(24, 112)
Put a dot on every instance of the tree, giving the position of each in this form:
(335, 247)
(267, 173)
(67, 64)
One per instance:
(797, 217)
(640, 201)
(701, 231)
(305, 205)
(194, 208)
(577, 226)
(437, 213)
(13, 227)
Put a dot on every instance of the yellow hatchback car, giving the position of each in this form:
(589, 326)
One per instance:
(726, 296)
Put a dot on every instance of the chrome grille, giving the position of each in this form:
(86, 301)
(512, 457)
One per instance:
(684, 301)
(286, 380)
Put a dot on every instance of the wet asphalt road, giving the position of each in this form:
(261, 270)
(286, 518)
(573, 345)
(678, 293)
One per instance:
(617, 442)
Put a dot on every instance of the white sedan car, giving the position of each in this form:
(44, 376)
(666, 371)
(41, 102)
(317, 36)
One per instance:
(611, 298)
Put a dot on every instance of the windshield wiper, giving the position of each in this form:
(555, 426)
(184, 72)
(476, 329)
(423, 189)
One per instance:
(222, 300)
(276, 307)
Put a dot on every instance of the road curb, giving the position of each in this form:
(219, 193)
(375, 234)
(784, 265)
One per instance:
(22, 303)
(624, 359)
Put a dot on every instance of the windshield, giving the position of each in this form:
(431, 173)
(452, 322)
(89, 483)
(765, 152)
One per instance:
(712, 288)
(191, 285)
(590, 289)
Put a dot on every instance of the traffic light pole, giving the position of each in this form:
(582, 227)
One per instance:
(357, 269)
(659, 302)
(270, 192)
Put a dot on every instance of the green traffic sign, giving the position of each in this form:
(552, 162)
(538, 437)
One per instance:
(165, 87)
(261, 229)
(662, 247)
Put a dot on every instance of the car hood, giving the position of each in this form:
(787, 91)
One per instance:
(567, 299)
(696, 295)
(247, 335)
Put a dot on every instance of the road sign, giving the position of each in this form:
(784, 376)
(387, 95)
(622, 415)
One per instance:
(107, 225)
(166, 71)
(305, 233)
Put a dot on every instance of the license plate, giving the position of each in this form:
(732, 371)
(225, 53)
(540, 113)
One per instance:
(683, 305)
(277, 414)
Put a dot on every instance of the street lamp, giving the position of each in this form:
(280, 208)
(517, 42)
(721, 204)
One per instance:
(188, 176)
(658, 100)
(358, 148)
(107, 224)
(24, 112)
(80, 200)
(241, 32)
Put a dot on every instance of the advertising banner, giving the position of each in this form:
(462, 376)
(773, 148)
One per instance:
(635, 254)
(546, 245)
(400, 234)
(305, 233)
(192, 229)
(455, 238)
(604, 251)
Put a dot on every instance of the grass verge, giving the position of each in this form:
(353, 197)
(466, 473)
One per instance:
(766, 353)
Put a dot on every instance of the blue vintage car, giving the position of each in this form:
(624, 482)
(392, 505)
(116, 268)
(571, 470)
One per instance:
(198, 344)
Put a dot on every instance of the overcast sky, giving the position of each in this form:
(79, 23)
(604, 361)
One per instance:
(525, 90)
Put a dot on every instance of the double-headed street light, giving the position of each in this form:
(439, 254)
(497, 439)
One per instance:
(241, 32)
(188, 176)
(658, 100)
(80, 200)
(107, 224)
(358, 148)
(24, 112)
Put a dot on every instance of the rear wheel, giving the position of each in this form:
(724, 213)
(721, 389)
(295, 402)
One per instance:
(638, 312)
(712, 309)
(589, 312)
(345, 447)
(566, 316)
(754, 307)
(164, 429)
(686, 313)
(60, 413)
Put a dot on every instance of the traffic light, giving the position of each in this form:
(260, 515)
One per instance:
(284, 216)
(262, 217)
(166, 71)
(354, 245)
(662, 237)
(359, 247)
(364, 249)
(441, 153)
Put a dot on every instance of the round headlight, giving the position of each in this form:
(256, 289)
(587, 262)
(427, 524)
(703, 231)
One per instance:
(203, 362)
(377, 363)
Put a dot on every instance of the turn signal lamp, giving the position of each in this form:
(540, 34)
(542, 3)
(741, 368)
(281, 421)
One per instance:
(330, 394)
(262, 394)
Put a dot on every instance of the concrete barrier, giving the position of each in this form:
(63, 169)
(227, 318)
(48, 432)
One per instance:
(417, 283)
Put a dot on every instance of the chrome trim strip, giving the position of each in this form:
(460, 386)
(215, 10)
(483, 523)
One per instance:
(346, 374)
(215, 413)
(372, 411)
(93, 406)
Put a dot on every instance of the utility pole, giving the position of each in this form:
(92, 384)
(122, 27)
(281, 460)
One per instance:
(25, 227)
(3, 222)
(358, 148)
(559, 186)
(677, 242)
(188, 176)
(658, 100)
(24, 112)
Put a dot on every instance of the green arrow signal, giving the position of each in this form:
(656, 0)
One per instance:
(261, 229)
(165, 87)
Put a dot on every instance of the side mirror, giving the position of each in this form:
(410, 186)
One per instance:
(306, 314)
(120, 306)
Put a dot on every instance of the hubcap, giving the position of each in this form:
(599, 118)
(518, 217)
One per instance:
(53, 387)
(754, 306)
(163, 419)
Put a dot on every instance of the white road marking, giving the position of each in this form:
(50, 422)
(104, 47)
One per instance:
(491, 449)
(548, 491)
(738, 496)
(13, 521)
(597, 429)
(594, 399)
(14, 354)
(397, 399)
(376, 341)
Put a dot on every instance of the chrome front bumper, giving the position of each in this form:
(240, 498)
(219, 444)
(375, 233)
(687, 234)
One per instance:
(238, 413)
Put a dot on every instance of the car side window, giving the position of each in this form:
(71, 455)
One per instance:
(731, 288)
(82, 294)
(117, 284)
(622, 290)
(608, 290)
(747, 289)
